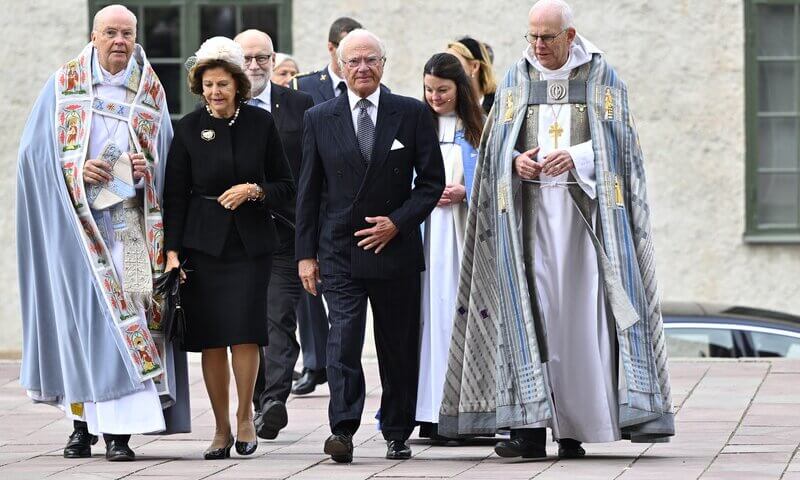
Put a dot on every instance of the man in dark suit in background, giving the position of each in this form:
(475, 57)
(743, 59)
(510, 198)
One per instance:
(361, 152)
(311, 317)
(327, 83)
(287, 106)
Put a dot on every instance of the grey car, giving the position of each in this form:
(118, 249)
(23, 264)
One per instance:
(724, 331)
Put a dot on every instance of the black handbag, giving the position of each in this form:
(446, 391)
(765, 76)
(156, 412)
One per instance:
(283, 226)
(167, 286)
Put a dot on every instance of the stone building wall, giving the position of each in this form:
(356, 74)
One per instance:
(36, 37)
(683, 61)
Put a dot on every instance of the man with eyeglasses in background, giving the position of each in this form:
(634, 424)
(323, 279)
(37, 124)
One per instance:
(361, 151)
(312, 320)
(277, 360)
(568, 277)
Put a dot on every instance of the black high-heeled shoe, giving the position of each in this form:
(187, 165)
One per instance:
(246, 448)
(220, 453)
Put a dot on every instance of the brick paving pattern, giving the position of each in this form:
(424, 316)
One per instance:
(735, 420)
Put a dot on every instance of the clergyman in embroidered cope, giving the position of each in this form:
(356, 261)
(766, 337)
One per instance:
(92, 339)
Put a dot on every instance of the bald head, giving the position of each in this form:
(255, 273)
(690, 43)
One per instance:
(552, 11)
(114, 37)
(550, 27)
(113, 14)
(259, 57)
(254, 36)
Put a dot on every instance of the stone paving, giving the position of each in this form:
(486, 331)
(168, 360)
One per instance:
(735, 419)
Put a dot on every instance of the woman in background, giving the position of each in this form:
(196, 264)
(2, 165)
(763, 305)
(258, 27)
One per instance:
(475, 59)
(285, 69)
(459, 121)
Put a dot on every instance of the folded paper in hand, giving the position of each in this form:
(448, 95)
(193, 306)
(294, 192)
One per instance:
(121, 185)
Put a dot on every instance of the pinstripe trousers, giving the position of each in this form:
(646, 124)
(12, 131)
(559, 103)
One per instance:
(395, 307)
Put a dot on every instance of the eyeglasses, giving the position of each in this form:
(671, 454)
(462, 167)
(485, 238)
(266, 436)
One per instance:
(111, 33)
(368, 61)
(546, 39)
(261, 60)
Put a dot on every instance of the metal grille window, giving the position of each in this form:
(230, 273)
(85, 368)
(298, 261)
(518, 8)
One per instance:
(773, 124)
(172, 30)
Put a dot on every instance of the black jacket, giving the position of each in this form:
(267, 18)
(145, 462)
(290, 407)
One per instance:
(332, 162)
(288, 107)
(248, 152)
(317, 84)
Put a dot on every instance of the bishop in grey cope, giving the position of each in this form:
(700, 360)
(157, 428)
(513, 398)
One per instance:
(558, 304)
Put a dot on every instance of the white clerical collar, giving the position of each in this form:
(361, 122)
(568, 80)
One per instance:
(448, 124)
(266, 95)
(579, 54)
(102, 76)
(335, 79)
(373, 98)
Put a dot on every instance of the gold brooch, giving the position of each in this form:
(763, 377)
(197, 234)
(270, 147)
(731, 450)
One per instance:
(208, 135)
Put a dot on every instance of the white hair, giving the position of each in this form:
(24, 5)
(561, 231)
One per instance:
(358, 32)
(563, 7)
(100, 13)
(283, 57)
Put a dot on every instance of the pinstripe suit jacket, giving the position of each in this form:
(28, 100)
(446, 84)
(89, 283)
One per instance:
(332, 164)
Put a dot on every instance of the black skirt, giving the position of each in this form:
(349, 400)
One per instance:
(225, 297)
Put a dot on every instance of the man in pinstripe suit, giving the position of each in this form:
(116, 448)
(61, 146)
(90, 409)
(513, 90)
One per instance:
(361, 150)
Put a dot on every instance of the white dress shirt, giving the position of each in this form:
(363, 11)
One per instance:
(372, 110)
(335, 79)
(264, 99)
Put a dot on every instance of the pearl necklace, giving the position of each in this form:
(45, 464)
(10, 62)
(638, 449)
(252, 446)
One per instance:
(235, 114)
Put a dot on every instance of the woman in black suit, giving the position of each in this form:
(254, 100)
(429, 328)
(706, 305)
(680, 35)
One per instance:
(225, 168)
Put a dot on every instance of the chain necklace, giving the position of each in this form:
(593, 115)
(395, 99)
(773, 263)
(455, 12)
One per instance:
(555, 129)
(112, 136)
(235, 114)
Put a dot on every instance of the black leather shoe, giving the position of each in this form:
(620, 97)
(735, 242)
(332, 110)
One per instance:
(309, 381)
(570, 448)
(80, 444)
(296, 375)
(425, 430)
(520, 447)
(431, 431)
(271, 419)
(119, 451)
(397, 450)
(340, 447)
(220, 453)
